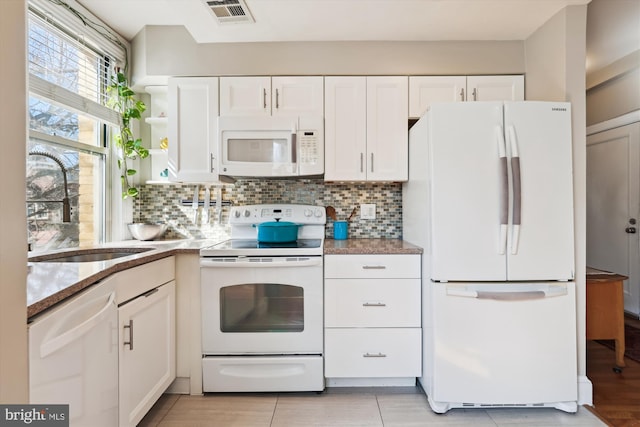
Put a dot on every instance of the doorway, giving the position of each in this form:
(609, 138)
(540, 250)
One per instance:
(613, 206)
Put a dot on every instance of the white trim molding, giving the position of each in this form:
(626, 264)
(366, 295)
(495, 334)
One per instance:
(616, 122)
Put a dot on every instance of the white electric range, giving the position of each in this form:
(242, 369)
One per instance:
(262, 304)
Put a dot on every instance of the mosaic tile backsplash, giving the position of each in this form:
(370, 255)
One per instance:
(163, 203)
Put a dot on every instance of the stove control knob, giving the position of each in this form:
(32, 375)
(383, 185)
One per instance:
(236, 213)
(308, 212)
(318, 213)
(246, 213)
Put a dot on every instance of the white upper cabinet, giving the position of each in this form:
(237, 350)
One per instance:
(345, 128)
(387, 132)
(297, 96)
(193, 129)
(245, 96)
(266, 96)
(366, 136)
(425, 90)
(495, 88)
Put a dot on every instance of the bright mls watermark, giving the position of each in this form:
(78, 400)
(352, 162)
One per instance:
(34, 415)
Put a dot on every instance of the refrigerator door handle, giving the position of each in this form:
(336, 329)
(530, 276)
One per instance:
(507, 294)
(517, 191)
(504, 190)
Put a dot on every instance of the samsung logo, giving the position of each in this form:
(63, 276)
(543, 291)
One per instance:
(558, 109)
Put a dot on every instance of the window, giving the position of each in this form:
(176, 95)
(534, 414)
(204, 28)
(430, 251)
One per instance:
(69, 129)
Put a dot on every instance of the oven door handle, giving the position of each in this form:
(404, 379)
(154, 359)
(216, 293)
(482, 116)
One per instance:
(260, 262)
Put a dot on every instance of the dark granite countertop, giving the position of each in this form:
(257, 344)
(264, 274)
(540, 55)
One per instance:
(51, 282)
(369, 246)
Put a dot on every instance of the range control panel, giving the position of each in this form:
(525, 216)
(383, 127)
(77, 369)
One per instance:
(256, 214)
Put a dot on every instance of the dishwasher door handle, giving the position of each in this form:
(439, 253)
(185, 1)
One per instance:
(56, 343)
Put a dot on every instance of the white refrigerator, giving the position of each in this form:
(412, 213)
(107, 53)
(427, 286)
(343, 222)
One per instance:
(490, 199)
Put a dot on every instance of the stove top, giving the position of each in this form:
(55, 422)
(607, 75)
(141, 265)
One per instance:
(254, 244)
(244, 242)
(250, 247)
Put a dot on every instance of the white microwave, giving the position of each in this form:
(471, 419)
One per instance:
(271, 146)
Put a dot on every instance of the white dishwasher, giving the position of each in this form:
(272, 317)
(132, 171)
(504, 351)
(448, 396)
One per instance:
(73, 357)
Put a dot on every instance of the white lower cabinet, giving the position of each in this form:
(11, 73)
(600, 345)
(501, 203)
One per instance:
(372, 352)
(147, 355)
(372, 317)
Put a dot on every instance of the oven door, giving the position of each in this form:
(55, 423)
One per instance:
(261, 305)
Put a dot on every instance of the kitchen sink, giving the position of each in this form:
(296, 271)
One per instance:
(89, 255)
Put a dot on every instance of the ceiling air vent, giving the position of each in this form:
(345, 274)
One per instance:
(230, 11)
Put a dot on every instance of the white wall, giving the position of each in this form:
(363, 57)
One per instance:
(161, 51)
(13, 223)
(613, 59)
(555, 56)
(613, 31)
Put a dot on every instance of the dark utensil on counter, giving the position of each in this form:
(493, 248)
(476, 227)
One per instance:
(277, 232)
(331, 213)
(353, 213)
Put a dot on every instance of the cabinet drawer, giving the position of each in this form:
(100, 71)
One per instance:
(138, 280)
(372, 303)
(372, 266)
(373, 353)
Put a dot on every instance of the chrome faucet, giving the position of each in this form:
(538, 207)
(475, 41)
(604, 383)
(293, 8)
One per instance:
(66, 206)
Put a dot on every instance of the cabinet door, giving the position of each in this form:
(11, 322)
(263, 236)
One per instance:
(297, 96)
(345, 128)
(495, 88)
(193, 129)
(147, 351)
(387, 131)
(425, 90)
(245, 96)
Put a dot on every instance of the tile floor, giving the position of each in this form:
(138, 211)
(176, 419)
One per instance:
(397, 406)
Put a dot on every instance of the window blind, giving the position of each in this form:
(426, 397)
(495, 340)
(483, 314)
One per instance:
(67, 66)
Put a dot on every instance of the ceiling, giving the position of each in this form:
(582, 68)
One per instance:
(338, 20)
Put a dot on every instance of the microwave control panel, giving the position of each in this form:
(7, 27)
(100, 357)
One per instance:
(308, 146)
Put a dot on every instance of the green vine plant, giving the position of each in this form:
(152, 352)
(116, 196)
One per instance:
(122, 99)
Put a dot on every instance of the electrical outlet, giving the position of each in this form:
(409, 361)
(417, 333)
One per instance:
(368, 211)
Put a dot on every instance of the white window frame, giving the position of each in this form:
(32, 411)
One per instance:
(102, 39)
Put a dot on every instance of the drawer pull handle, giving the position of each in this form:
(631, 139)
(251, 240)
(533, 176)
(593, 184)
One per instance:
(373, 267)
(374, 304)
(374, 355)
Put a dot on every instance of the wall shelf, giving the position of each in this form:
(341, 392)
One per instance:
(156, 120)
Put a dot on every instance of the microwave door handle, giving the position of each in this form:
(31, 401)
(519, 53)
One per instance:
(294, 148)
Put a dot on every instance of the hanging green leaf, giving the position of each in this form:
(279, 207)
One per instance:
(122, 99)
